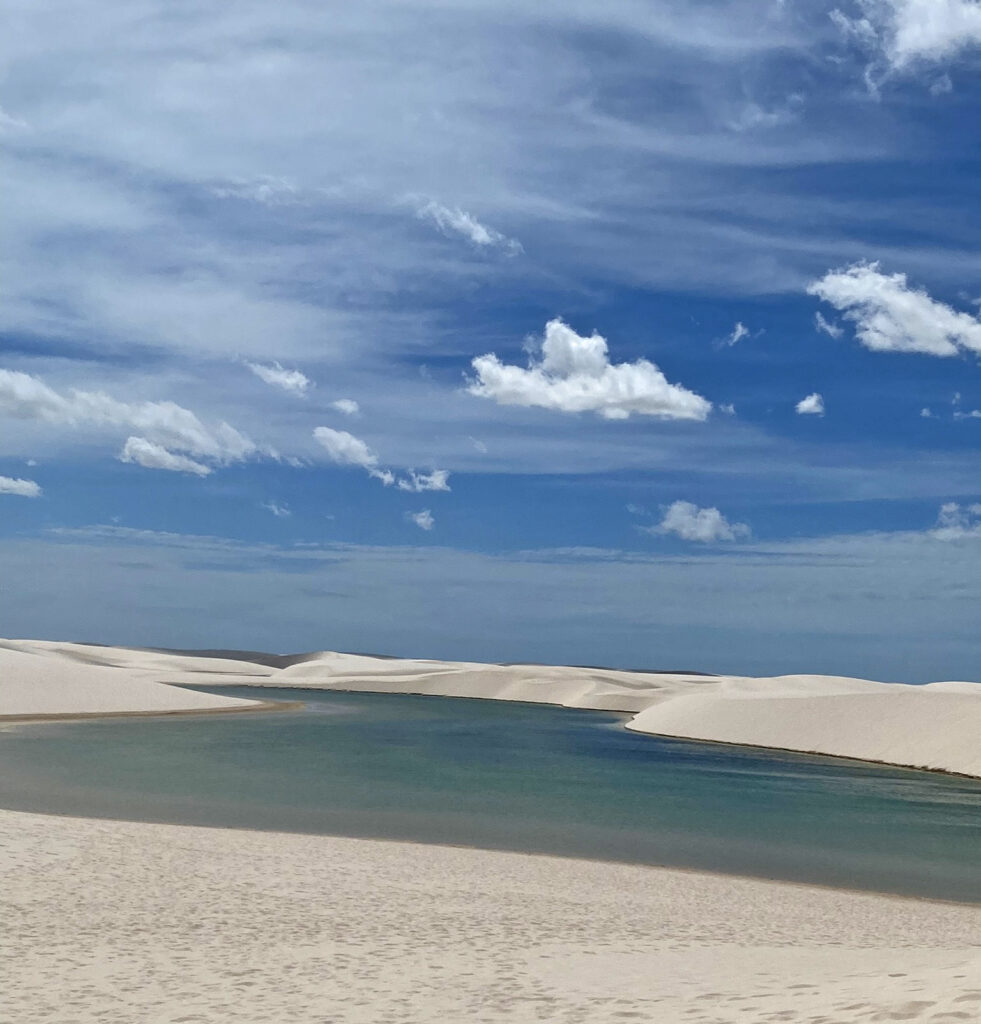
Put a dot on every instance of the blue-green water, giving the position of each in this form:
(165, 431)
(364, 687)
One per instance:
(509, 776)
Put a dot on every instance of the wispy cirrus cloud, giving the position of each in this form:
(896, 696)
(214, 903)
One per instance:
(278, 509)
(574, 374)
(454, 221)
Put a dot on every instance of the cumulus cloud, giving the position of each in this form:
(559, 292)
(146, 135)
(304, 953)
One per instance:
(459, 222)
(22, 488)
(702, 525)
(424, 519)
(163, 426)
(574, 374)
(348, 406)
(145, 453)
(903, 33)
(955, 521)
(415, 482)
(890, 316)
(812, 405)
(279, 377)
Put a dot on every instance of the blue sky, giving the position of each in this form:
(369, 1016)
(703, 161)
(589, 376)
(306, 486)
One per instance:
(491, 330)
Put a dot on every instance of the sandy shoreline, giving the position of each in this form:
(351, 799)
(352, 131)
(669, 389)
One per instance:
(195, 924)
(933, 727)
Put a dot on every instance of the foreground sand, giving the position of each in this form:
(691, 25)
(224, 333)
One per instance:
(121, 922)
(934, 726)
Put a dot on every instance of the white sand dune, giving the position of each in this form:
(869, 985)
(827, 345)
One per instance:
(119, 922)
(936, 726)
(52, 681)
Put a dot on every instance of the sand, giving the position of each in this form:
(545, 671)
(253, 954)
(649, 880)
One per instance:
(935, 726)
(117, 922)
(54, 679)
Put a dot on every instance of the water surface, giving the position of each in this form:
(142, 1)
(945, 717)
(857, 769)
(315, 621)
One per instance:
(509, 776)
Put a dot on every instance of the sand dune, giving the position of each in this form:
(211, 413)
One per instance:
(52, 681)
(935, 726)
(120, 922)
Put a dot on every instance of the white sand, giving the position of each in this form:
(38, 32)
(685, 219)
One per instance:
(118, 922)
(52, 681)
(934, 726)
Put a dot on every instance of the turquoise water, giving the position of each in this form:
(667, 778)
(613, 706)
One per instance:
(509, 776)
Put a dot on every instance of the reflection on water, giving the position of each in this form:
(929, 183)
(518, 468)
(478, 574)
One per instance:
(509, 776)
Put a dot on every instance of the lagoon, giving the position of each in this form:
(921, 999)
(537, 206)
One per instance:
(520, 777)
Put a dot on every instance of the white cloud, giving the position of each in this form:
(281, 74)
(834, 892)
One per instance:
(415, 483)
(812, 405)
(737, 334)
(961, 414)
(727, 408)
(926, 414)
(345, 449)
(827, 327)
(348, 406)
(908, 32)
(154, 456)
(704, 525)
(890, 316)
(278, 377)
(575, 375)
(955, 521)
(22, 488)
(457, 221)
(424, 519)
(163, 425)
(279, 511)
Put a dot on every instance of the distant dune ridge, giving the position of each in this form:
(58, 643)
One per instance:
(936, 726)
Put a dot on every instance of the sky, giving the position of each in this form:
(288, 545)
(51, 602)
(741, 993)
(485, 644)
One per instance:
(643, 334)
